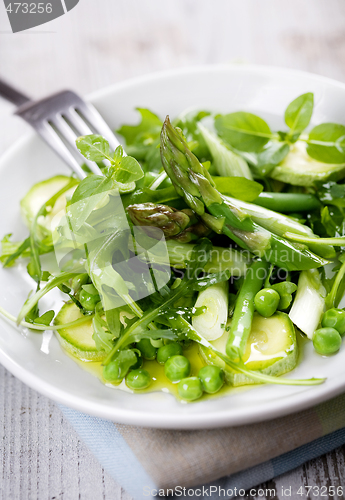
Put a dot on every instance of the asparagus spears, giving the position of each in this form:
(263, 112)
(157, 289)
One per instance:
(280, 224)
(244, 309)
(192, 182)
(181, 225)
(169, 220)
